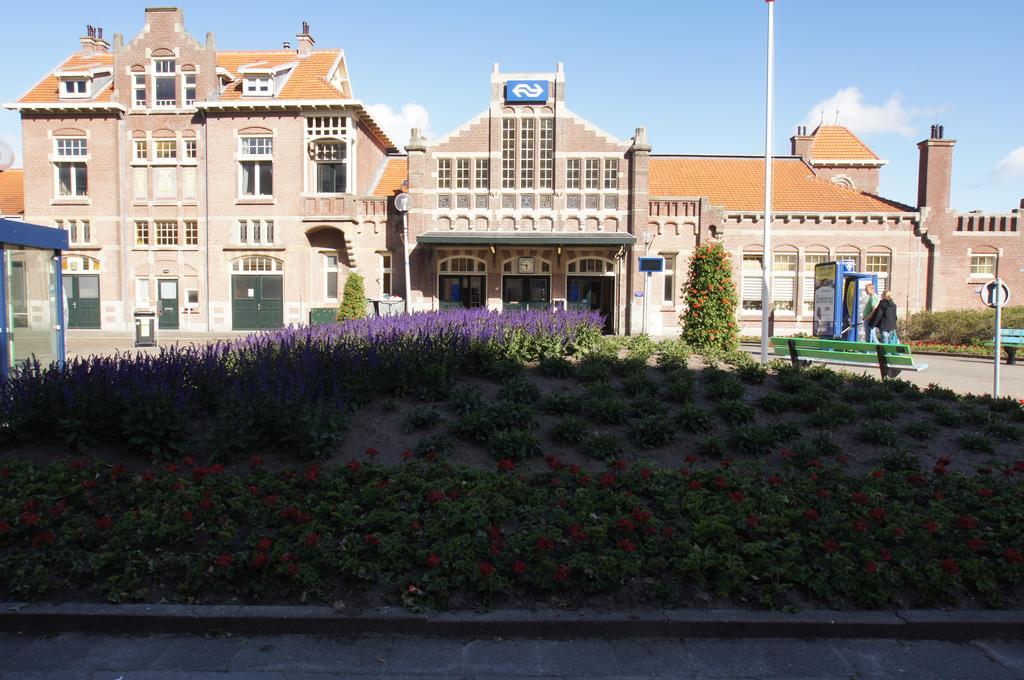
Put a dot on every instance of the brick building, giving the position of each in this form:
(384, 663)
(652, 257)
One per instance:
(234, 190)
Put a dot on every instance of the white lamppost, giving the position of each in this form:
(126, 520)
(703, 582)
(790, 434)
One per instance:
(402, 204)
(767, 263)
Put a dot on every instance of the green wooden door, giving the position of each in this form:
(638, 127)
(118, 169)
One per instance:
(525, 292)
(167, 293)
(83, 294)
(593, 293)
(256, 302)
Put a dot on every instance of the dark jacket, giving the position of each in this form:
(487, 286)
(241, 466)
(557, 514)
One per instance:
(884, 317)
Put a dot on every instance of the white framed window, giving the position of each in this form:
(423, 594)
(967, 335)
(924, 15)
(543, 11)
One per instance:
(325, 126)
(256, 263)
(592, 201)
(143, 292)
(330, 276)
(508, 153)
(611, 173)
(72, 147)
(572, 173)
(141, 149)
(257, 178)
(142, 233)
(139, 91)
(258, 86)
(189, 86)
(192, 298)
(880, 265)
(669, 292)
(527, 133)
(462, 173)
(753, 277)
(462, 265)
(572, 201)
(331, 167)
(190, 149)
(164, 83)
(482, 174)
(850, 257)
(983, 266)
(261, 147)
(191, 233)
(810, 260)
(784, 282)
(546, 179)
(165, 149)
(592, 176)
(444, 173)
(385, 273)
(166, 233)
(74, 87)
(72, 179)
(79, 233)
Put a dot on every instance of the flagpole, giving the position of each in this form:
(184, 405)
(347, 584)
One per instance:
(767, 260)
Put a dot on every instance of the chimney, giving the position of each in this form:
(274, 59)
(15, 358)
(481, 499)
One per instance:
(935, 170)
(304, 41)
(801, 143)
(118, 42)
(211, 42)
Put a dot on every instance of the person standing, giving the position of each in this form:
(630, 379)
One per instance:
(870, 330)
(884, 319)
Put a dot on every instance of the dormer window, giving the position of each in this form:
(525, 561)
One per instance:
(74, 87)
(259, 86)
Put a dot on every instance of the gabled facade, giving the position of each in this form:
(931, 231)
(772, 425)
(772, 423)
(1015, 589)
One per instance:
(223, 190)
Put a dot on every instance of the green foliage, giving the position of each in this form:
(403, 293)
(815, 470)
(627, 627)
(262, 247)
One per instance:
(920, 429)
(709, 320)
(679, 385)
(673, 354)
(711, 447)
(652, 431)
(559, 403)
(735, 412)
(556, 367)
(421, 418)
(607, 410)
(695, 419)
(753, 440)
(976, 442)
(520, 391)
(605, 446)
(752, 373)
(516, 444)
(353, 299)
(959, 326)
(570, 430)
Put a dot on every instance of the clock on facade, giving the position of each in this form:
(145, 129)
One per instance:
(527, 265)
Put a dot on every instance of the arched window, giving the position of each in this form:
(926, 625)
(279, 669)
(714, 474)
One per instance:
(511, 266)
(591, 265)
(79, 264)
(256, 263)
(462, 265)
(326, 138)
(843, 181)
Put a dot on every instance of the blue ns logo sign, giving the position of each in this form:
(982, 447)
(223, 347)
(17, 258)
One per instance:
(526, 91)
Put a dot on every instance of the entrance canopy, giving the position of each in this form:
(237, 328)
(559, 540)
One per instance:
(546, 238)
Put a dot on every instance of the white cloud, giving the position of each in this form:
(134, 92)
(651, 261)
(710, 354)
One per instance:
(397, 124)
(1012, 165)
(10, 151)
(862, 117)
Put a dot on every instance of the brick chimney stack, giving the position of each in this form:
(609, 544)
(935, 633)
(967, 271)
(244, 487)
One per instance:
(935, 170)
(801, 143)
(92, 42)
(304, 41)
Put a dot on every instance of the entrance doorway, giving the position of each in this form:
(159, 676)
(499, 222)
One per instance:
(460, 291)
(83, 294)
(256, 302)
(167, 304)
(525, 292)
(593, 293)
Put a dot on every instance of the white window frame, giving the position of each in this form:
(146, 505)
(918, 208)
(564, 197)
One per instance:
(872, 267)
(161, 232)
(188, 82)
(592, 173)
(82, 89)
(165, 149)
(611, 173)
(256, 232)
(258, 86)
(508, 153)
(160, 71)
(668, 291)
(573, 176)
(444, 173)
(74, 190)
(527, 152)
(809, 260)
(329, 271)
(190, 232)
(139, 85)
(141, 150)
(462, 173)
(980, 270)
(142, 230)
(71, 148)
(143, 284)
(190, 147)
(546, 170)
(79, 231)
(482, 173)
(187, 302)
(749, 279)
(387, 263)
(781, 260)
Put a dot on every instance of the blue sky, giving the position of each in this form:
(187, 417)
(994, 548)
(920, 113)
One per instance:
(690, 71)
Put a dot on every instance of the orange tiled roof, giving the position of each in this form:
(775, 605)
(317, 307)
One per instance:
(48, 89)
(307, 80)
(835, 142)
(738, 184)
(12, 192)
(395, 173)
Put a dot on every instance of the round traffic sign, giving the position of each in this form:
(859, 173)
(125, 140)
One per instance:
(988, 293)
(403, 202)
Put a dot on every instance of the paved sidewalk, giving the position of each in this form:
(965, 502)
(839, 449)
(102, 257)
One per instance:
(75, 657)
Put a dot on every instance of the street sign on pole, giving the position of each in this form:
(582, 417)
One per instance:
(988, 293)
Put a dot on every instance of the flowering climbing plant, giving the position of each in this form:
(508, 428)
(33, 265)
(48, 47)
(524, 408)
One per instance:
(709, 318)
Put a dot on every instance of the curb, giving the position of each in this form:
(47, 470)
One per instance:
(144, 619)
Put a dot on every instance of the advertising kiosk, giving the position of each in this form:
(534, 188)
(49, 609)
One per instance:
(839, 298)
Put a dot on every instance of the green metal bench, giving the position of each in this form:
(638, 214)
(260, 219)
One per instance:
(889, 359)
(1011, 340)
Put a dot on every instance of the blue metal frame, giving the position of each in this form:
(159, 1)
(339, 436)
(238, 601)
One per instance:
(15, 233)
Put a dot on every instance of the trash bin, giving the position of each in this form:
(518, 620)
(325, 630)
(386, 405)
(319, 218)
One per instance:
(145, 328)
(391, 305)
